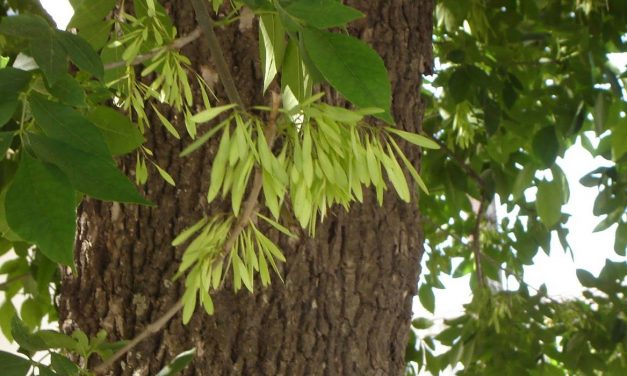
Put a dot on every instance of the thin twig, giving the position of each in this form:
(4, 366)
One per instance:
(469, 170)
(176, 44)
(6, 283)
(152, 328)
(206, 23)
(249, 209)
(476, 243)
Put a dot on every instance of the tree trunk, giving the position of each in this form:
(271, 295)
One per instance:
(345, 306)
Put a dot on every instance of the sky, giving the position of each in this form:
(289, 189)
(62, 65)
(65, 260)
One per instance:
(557, 270)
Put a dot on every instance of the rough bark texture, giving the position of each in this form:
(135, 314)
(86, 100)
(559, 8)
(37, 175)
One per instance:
(345, 307)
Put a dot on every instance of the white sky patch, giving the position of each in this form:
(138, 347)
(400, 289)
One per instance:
(60, 10)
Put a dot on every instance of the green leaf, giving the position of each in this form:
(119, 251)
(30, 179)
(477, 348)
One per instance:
(12, 82)
(414, 138)
(13, 365)
(63, 366)
(427, 298)
(5, 142)
(166, 123)
(62, 123)
(7, 109)
(586, 278)
(293, 76)
(24, 26)
(95, 175)
(164, 174)
(49, 56)
(40, 207)
(178, 364)
(120, 134)
(549, 202)
(323, 14)
(619, 139)
(211, 113)
(422, 323)
(189, 299)
(81, 53)
(352, 67)
(68, 91)
(546, 145)
(57, 340)
(271, 46)
(25, 338)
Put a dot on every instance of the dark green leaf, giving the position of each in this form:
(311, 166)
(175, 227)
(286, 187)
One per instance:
(178, 364)
(62, 123)
(40, 208)
(620, 241)
(549, 202)
(120, 134)
(24, 26)
(81, 53)
(68, 91)
(13, 365)
(586, 278)
(323, 14)
(63, 366)
(24, 337)
(352, 67)
(427, 298)
(13, 81)
(7, 109)
(459, 84)
(92, 174)
(49, 56)
(5, 141)
(546, 146)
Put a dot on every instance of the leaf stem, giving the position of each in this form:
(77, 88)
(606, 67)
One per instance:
(176, 44)
(206, 24)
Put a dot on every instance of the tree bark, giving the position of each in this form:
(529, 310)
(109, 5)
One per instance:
(345, 306)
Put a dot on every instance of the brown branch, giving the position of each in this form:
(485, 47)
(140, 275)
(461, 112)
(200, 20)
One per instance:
(469, 170)
(249, 209)
(206, 24)
(476, 243)
(149, 330)
(176, 44)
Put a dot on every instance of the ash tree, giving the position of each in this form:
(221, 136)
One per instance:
(215, 187)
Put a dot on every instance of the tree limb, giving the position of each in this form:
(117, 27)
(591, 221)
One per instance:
(476, 243)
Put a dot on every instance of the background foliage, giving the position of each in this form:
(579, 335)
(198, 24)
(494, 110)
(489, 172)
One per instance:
(519, 82)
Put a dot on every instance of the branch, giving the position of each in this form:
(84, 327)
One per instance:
(206, 24)
(250, 208)
(469, 170)
(149, 330)
(476, 242)
(176, 44)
